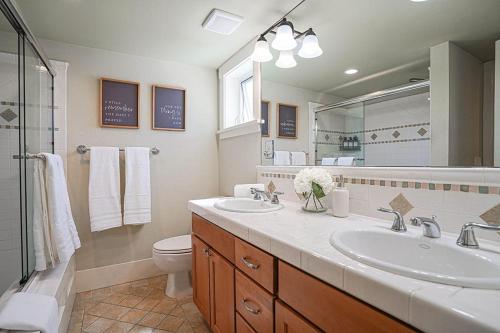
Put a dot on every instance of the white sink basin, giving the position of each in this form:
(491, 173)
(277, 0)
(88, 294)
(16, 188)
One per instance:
(410, 254)
(246, 205)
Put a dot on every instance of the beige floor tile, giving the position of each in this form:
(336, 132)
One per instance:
(141, 329)
(156, 330)
(177, 312)
(88, 320)
(171, 323)
(120, 327)
(75, 328)
(109, 311)
(203, 328)
(133, 316)
(189, 307)
(185, 300)
(114, 298)
(140, 283)
(140, 291)
(166, 306)
(152, 319)
(185, 328)
(194, 318)
(121, 288)
(158, 282)
(100, 294)
(76, 317)
(99, 326)
(131, 301)
(158, 294)
(98, 309)
(84, 294)
(147, 304)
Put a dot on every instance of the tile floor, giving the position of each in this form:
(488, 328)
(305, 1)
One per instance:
(135, 307)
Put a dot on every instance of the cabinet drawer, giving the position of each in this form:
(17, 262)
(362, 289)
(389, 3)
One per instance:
(257, 264)
(218, 239)
(288, 321)
(242, 326)
(329, 308)
(254, 304)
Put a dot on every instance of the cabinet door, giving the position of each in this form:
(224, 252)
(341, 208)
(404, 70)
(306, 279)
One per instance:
(287, 321)
(201, 277)
(222, 309)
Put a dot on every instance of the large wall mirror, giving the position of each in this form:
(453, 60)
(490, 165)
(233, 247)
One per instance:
(399, 83)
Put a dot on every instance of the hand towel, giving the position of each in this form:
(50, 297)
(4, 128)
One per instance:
(104, 188)
(345, 161)
(43, 242)
(62, 225)
(298, 158)
(137, 200)
(328, 161)
(281, 157)
(30, 312)
(244, 190)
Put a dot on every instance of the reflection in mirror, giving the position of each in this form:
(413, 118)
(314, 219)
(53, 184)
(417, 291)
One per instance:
(407, 84)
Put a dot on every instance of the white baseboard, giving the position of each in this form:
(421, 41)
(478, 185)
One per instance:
(105, 276)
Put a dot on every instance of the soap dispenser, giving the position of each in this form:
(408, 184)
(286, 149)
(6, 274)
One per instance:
(340, 200)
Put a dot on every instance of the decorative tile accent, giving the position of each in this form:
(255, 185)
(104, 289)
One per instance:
(422, 131)
(396, 134)
(492, 216)
(271, 187)
(373, 136)
(8, 115)
(401, 204)
(327, 137)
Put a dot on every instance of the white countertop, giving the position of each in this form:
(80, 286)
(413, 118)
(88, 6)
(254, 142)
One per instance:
(302, 239)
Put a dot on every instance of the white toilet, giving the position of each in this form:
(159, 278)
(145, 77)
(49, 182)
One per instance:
(173, 256)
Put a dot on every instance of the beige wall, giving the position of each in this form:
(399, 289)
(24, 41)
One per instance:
(185, 169)
(497, 105)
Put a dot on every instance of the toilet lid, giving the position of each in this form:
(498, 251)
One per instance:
(174, 244)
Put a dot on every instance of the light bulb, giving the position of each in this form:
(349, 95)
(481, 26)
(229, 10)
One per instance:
(286, 60)
(261, 51)
(285, 39)
(310, 46)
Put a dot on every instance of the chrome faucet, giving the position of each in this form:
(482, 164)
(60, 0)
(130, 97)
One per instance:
(467, 237)
(430, 226)
(265, 195)
(399, 223)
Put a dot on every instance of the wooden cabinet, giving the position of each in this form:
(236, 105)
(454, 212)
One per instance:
(201, 277)
(239, 287)
(221, 294)
(288, 321)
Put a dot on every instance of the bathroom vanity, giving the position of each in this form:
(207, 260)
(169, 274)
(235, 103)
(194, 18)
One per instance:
(278, 272)
(239, 287)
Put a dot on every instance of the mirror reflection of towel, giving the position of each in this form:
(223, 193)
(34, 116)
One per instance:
(298, 158)
(345, 161)
(281, 157)
(328, 161)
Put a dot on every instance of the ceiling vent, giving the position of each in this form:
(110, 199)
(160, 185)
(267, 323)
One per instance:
(222, 22)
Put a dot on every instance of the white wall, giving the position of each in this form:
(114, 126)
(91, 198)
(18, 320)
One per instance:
(497, 105)
(280, 93)
(185, 169)
(488, 112)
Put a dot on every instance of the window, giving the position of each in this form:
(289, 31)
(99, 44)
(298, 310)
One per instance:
(238, 95)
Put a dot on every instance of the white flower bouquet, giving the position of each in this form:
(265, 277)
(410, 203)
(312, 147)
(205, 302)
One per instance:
(312, 185)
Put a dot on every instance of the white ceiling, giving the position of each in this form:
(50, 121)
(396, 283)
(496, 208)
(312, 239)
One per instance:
(387, 40)
(162, 29)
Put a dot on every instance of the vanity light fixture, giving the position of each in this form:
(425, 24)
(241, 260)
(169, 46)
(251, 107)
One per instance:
(286, 41)
(351, 71)
(286, 60)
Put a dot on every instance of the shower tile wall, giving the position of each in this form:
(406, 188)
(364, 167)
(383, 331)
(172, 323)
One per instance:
(397, 132)
(10, 233)
(60, 135)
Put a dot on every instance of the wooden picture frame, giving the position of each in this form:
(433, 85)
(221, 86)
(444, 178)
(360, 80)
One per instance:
(265, 130)
(174, 117)
(115, 97)
(281, 108)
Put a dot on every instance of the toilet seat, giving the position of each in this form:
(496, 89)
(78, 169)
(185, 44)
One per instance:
(173, 245)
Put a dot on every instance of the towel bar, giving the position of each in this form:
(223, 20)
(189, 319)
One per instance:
(82, 149)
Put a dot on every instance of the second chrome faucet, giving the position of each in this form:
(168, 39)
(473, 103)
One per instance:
(430, 226)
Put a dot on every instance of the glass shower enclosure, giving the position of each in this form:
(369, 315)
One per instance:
(26, 127)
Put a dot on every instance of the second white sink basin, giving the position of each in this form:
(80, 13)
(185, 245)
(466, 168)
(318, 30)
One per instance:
(410, 254)
(246, 205)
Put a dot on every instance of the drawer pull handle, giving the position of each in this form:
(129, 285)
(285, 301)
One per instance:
(249, 308)
(249, 264)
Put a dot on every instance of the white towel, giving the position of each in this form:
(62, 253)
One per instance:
(345, 161)
(43, 242)
(298, 158)
(137, 200)
(104, 188)
(62, 225)
(281, 157)
(30, 312)
(328, 161)
(243, 190)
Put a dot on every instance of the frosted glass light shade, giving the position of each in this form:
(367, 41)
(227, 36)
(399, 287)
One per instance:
(286, 60)
(310, 46)
(261, 51)
(285, 39)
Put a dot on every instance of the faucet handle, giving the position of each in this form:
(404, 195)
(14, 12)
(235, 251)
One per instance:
(417, 221)
(275, 199)
(399, 222)
(430, 225)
